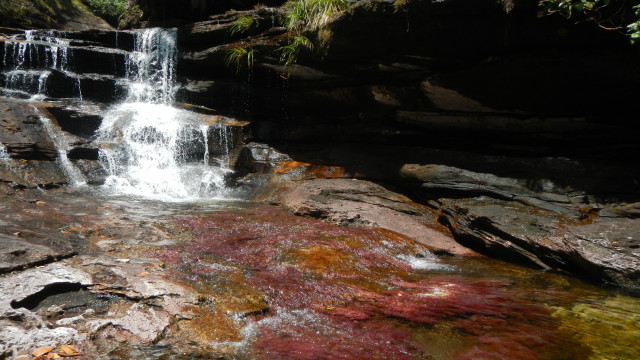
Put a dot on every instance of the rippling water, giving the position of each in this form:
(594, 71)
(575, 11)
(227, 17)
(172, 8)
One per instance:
(278, 286)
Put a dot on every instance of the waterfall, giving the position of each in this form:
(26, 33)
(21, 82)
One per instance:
(150, 147)
(62, 146)
(151, 67)
(3, 152)
(28, 62)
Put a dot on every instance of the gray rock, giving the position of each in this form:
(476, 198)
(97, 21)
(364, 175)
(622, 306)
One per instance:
(21, 330)
(16, 287)
(604, 249)
(543, 193)
(17, 254)
(355, 202)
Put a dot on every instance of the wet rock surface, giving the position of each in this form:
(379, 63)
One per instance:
(248, 281)
(598, 248)
(354, 202)
(22, 132)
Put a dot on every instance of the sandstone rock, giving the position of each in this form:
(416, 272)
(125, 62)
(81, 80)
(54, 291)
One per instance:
(32, 174)
(354, 202)
(20, 330)
(61, 14)
(17, 287)
(126, 278)
(79, 121)
(543, 193)
(140, 325)
(605, 249)
(22, 132)
(18, 254)
(217, 30)
(258, 158)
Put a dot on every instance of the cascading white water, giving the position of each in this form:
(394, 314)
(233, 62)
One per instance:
(28, 62)
(62, 145)
(3, 152)
(151, 148)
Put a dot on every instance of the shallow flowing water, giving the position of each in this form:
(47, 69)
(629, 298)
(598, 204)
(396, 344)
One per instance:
(273, 285)
(278, 286)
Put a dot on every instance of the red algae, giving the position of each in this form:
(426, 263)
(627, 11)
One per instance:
(349, 293)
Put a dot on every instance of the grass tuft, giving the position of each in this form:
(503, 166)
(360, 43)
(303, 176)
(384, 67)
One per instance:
(236, 57)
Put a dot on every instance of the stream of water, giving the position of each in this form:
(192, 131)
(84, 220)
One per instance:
(273, 285)
(147, 143)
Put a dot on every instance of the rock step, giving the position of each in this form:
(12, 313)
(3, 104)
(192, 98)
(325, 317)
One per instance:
(218, 29)
(58, 84)
(20, 55)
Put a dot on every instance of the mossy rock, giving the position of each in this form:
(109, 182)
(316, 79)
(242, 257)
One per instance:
(49, 14)
(611, 328)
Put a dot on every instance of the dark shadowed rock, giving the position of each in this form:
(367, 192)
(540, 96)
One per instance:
(604, 250)
(354, 202)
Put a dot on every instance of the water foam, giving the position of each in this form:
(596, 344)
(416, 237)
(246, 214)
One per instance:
(151, 148)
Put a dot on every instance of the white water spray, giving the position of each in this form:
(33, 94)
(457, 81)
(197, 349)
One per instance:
(62, 145)
(150, 148)
(4, 155)
(28, 62)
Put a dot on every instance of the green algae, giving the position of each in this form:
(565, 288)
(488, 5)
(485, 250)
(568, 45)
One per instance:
(610, 327)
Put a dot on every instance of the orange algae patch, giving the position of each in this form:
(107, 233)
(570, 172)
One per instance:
(309, 171)
(211, 324)
(322, 258)
(286, 166)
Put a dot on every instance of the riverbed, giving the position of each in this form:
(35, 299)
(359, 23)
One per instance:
(240, 280)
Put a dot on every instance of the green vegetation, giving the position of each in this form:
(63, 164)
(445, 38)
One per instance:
(291, 52)
(110, 10)
(620, 15)
(305, 19)
(241, 25)
(236, 57)
(310, 15)
(611, 328)
(40, 13)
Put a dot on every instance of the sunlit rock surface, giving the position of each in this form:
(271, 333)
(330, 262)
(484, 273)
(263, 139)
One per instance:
(345, 201)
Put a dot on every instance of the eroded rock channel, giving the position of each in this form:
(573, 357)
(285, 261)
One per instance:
(383, 203)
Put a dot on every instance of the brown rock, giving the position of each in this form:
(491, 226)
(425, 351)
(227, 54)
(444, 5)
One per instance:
(22, 132)
(361, 203)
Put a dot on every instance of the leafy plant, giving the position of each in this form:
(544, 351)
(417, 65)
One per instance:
(620, 15)
(291, 52)
(237, 56)
(110, 10)
(242, 24)
(309, 15)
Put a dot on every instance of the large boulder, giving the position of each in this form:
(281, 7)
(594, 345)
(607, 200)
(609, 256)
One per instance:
(361, 203)
(602, 249)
